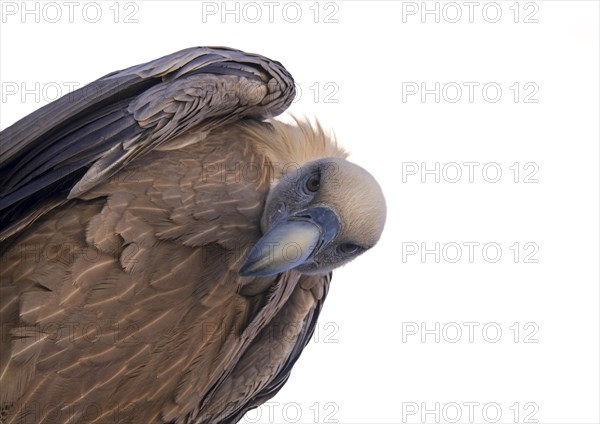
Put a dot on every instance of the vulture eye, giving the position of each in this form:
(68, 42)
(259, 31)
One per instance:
(348, 248)
(313, 183)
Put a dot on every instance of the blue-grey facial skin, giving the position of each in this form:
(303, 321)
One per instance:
(306, 210)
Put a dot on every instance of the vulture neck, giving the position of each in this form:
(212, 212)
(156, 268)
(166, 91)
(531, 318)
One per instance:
(288, 147)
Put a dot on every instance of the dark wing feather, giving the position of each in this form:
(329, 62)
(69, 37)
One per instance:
(320, 288)
(71, 145)
(308, 329)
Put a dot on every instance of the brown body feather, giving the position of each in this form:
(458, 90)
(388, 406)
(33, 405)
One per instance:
(126, 305)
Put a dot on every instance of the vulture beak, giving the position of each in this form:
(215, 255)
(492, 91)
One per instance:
(292, 241)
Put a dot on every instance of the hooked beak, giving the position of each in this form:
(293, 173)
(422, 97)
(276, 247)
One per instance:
(291, 242)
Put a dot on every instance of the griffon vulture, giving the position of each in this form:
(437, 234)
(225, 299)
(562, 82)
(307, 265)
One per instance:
(166, 245)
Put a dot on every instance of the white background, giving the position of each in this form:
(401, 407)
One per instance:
(365, 364)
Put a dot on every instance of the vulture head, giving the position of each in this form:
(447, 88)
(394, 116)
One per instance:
(318, 218)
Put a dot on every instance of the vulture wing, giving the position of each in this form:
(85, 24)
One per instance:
(73, 144)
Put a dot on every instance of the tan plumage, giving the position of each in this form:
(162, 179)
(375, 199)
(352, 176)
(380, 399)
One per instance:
(122, 297)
